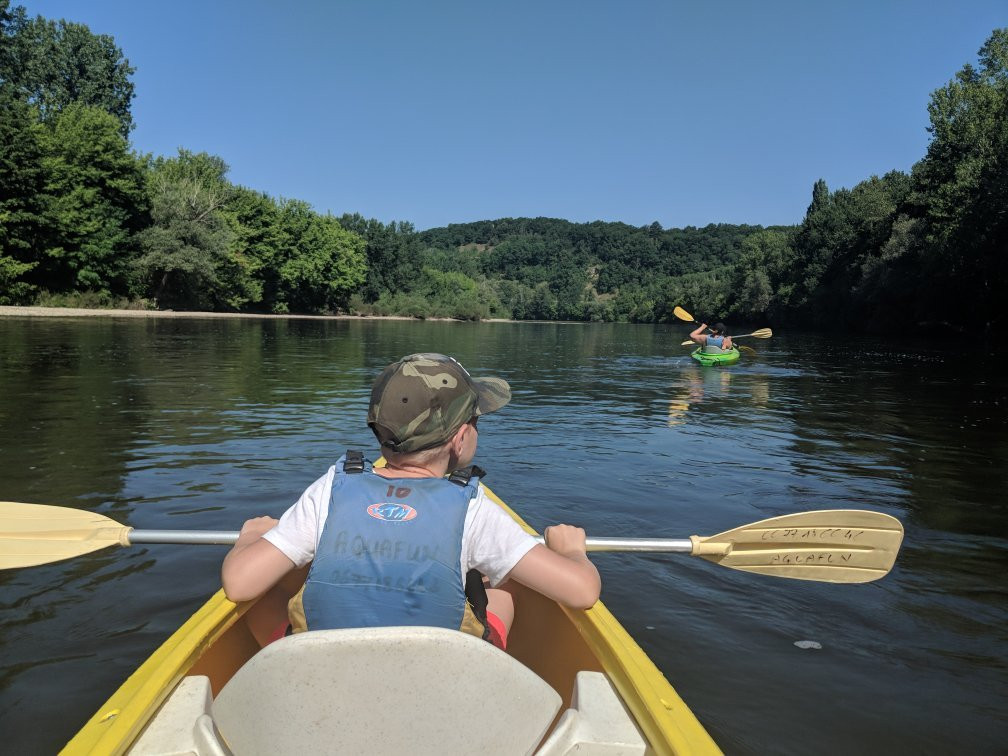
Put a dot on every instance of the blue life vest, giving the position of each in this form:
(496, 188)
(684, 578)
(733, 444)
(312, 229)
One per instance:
(390, 552)
(714, 344)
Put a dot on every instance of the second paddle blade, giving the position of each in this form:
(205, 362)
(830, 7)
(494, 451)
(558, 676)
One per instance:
(832, 545)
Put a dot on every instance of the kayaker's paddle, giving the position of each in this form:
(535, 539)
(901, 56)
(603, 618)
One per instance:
(680, 313)
(832, 545)
(762, 333)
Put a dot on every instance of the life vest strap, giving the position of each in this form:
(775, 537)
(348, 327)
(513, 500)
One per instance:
(476, 595)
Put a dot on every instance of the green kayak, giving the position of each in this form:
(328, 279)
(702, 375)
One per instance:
(721, 358)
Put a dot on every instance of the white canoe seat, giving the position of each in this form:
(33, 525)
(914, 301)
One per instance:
(597, 724)
(394, 690)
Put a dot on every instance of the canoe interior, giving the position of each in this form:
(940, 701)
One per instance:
(554, 642)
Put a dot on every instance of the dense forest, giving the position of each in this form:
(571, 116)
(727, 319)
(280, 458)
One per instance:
(87, 221)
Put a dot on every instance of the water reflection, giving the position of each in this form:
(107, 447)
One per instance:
(715, 386)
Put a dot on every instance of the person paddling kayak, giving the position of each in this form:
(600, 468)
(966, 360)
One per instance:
(403, 544)
(712, 342)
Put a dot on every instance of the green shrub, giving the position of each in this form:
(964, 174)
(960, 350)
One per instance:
(92, 300)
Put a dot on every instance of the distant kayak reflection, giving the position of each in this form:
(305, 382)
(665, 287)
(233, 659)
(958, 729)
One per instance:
(696, 386)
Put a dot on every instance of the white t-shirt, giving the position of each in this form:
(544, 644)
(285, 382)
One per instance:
(492, 542)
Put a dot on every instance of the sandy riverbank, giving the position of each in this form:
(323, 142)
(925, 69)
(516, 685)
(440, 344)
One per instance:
(78, 312)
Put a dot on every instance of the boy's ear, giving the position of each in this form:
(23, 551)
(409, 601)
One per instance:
(458, 438)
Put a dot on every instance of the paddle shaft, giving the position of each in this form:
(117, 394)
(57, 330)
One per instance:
(758, 335)
(185, 537)
(228, 537)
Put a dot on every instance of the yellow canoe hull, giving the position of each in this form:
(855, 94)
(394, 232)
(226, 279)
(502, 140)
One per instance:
(216, 641)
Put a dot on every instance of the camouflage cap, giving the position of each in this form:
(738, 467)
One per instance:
(420, 401)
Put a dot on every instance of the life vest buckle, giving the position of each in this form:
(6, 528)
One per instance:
(353, 462)
(463, 475)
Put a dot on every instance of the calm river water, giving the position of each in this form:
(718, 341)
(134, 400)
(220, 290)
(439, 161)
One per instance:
(173, 423)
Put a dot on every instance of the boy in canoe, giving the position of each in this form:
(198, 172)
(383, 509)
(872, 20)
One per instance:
(404, 544)
(713, 341)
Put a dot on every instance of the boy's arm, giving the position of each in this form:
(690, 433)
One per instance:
(254, 565)
(698, 335)
(561, 570)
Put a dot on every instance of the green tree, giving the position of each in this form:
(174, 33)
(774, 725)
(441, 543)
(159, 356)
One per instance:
(543, 305)
(757, 279)
(56, 63)
(454, 295)
(465, 260)
(13, 290)
(254, 218)
(874, 206)
(186, 248)
(22, 195)
(704, 294)
(97, 203)
(822, 233)
(393, 255)
(890, 282)
(840, 236)
(515, 298)
(634, 304)
(568, 280)
(962, 186)
(318, 264)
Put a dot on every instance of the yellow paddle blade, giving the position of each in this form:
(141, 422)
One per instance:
(689, 342)
(683, 315)
(832, 546)
(33, 534)
(762, 333)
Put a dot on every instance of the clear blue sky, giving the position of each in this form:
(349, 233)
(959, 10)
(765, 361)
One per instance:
(449, 112)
